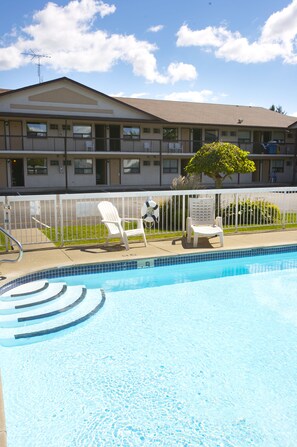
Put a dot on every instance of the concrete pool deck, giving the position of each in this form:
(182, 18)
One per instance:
(41, 257)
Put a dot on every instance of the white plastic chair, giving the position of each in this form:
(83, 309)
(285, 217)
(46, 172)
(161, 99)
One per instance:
(202, 221)
(113, 222)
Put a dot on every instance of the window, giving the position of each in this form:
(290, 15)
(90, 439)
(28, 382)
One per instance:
(233, 133)
(156, 130)
(156, 162)
(68, 162)
(83, 166)
(67, 127)
(170, 166)
(279, 136)
(277, 165)
(131, 166)
(82, 131)
(37, 130)
(54, 127)
(211, 135)
(170, 133)
(146, 130)
(131, 133)
(54, 162)
(146, 163)
(36, 166)
(224, 133)
(244, 136)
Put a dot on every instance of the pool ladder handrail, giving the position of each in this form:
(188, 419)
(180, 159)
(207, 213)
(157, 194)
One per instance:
(21, 250)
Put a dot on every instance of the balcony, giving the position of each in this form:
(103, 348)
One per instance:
(140, 146)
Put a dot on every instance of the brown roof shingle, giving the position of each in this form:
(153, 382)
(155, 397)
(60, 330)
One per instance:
(212, 114)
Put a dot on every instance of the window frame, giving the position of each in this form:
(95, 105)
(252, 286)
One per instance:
(34, 169)
(128, 169)
(128, 133)
(82, 135)
(170, 134)
(83, 170)
(170, 169)
(244, 139)
(214, 132)
(280, 169)
(31, 133)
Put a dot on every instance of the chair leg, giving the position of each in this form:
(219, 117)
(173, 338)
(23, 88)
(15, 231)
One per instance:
(144, 239)
(195, 243)
(221, 239)
(188, 237)
(125, 240)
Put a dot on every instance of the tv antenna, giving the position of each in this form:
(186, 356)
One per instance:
(37, 56)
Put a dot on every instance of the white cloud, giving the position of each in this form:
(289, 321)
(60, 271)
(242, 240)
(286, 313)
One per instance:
(70, 36)
(277, 39)
(139, 95)
(181, 72)
(156, 28)
(191, 96)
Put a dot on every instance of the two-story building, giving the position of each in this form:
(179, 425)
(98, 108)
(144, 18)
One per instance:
(61, 135)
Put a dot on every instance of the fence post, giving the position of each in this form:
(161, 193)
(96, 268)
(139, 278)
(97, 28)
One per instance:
(60, 213)
(236, 212)
(7, 222)
(284, 210)
(183, 211)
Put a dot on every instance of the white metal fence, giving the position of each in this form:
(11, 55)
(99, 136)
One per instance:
(74, 218)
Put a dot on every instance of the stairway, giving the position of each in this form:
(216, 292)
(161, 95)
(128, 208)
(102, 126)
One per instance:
(35, 311)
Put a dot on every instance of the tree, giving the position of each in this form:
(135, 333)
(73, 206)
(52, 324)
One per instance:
(278, 109)
(220, 160)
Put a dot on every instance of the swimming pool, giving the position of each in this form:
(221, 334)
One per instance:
(200, 354)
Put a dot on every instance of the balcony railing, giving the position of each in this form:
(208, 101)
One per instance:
(72, 145)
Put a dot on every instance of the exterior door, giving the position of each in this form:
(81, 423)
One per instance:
(115, 171)
(101, 172)
(185, 135)
(15, 135)
(17, 172)
(197, 139)
(115, 137)
(100, 137)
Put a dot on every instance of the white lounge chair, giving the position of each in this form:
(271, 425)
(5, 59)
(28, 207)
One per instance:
(202, 221)
(113, 222)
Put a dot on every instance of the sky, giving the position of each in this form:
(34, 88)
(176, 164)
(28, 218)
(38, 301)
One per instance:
(221, 51)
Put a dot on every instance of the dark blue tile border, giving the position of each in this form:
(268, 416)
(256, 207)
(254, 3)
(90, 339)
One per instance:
(152, 262)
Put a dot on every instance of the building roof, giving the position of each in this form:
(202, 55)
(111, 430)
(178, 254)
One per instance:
(191, 113)
(211, 114)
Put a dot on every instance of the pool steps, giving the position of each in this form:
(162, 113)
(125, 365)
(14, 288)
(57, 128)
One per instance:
(34, 311)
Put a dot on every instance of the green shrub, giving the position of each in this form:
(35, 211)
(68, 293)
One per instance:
(250, 212)
(171, 214)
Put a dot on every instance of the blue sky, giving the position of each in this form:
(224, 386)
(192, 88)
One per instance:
(221, 51)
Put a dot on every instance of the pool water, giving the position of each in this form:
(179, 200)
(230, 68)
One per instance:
(197, 361)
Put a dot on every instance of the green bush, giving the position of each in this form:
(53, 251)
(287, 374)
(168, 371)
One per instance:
(250, 212)
(171, 214)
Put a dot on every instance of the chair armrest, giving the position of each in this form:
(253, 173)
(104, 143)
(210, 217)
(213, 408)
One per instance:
(116, 222)
(133, 219)
(219, 221)
(130, 218)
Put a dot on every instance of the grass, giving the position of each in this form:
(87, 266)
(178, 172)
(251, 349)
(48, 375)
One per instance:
(96, 234)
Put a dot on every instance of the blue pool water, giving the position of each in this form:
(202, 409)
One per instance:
(185, 356)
